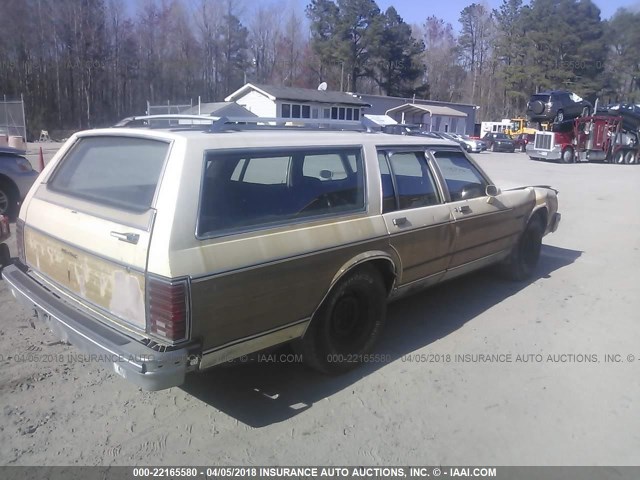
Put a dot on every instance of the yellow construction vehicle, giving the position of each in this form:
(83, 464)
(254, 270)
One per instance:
(518, 126)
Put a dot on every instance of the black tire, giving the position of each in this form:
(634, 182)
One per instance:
(5, 255)
(567, 155)
(629, 157)
(559, 117)
(347, 324)
(523, 259)
(537, 107)
(618, 157)
(8, 201)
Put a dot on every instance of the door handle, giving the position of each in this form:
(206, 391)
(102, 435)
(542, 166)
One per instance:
(463, 209)
(398, 222)
(126, 237)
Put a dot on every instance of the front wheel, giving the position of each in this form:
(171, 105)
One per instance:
(567, 155)
(347, 324)
(522, 261)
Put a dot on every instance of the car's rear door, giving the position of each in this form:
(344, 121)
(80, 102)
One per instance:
(88, 225)
(416, 217)
(484, 226)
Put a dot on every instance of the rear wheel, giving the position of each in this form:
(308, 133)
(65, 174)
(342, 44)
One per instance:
(567, 155)
(522, 261)
(630, 157)
(347, 324)
(5, 255)
(618, 157)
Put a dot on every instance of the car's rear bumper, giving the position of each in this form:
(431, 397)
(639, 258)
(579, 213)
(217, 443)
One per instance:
(129, 358)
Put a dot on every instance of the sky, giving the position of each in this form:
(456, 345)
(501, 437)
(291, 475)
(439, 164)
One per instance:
(416, 11)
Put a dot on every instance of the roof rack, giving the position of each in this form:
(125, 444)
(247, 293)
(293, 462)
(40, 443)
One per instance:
(146, 119)
(225, 124)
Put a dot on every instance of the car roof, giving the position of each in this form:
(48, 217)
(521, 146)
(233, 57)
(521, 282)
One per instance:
(257, 138)
(548, 92)
(12, 151)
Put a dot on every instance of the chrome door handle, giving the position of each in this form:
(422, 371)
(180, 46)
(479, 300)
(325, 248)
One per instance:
(126, 237)
(463, 209)
(399, 221)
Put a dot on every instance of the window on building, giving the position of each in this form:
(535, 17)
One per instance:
(306, 111)
(295, 111)
(334, 113)
(286, 110)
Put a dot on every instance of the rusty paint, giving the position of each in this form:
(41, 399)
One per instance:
(99, 281)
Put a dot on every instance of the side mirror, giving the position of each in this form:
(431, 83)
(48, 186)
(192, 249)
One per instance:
(492, 191)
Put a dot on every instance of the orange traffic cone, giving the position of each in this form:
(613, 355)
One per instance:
(41, 160)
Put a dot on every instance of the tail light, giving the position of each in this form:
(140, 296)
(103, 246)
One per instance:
(167, 309)
(20, 241)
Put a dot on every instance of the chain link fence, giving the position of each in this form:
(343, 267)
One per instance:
(12, 120)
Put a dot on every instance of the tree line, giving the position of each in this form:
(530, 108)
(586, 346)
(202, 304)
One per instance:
(88, 63)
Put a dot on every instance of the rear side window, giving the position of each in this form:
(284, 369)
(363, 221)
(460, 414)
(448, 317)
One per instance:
(244, 190)
(117, 171)
(416, 187)
(542, 98)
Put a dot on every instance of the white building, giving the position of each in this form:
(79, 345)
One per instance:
(292, 102)
(432, 118)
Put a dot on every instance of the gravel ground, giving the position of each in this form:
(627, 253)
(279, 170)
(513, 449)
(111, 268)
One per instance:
(567, 406)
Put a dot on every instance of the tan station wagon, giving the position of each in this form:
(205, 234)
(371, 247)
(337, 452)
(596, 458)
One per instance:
(170, 250)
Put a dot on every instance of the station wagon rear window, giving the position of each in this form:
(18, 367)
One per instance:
(247, 189)
(116, 171)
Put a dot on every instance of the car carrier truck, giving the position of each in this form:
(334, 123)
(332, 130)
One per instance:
(611, 137)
